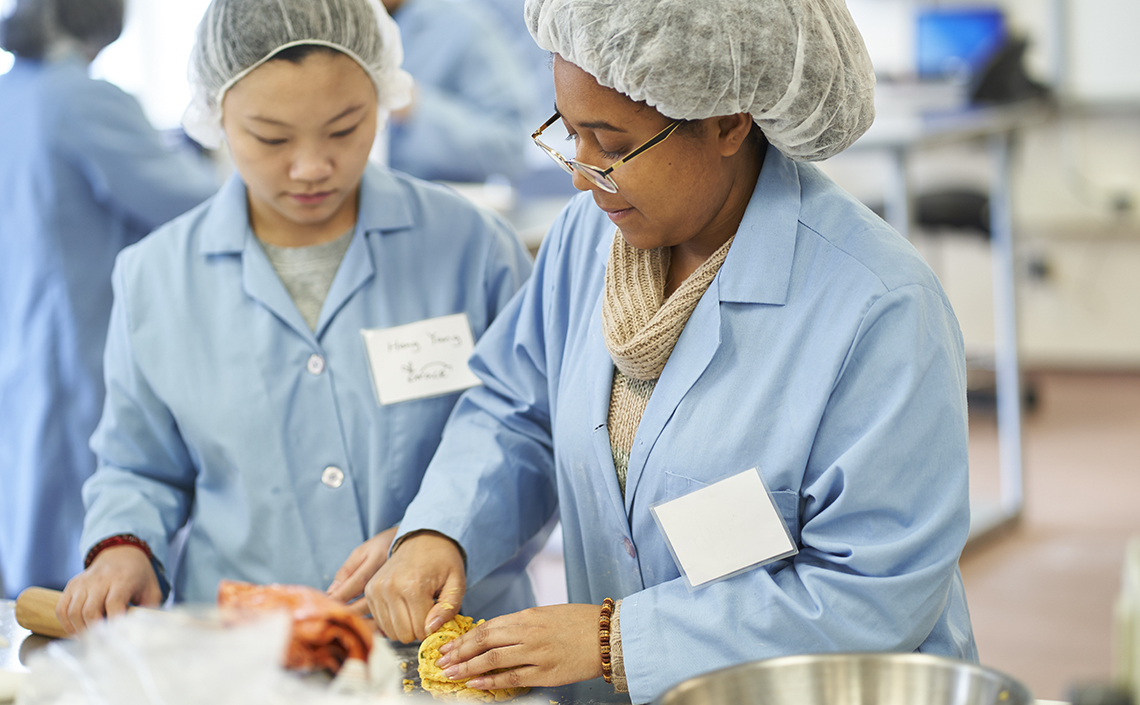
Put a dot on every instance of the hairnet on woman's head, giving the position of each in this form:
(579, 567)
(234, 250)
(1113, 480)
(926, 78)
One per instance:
(237, 36)
(799, 67)
(36, 26)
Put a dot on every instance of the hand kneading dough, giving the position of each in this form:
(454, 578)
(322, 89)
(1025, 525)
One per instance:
(440, 686)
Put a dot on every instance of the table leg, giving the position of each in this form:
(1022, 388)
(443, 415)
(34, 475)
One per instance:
(1006, 368)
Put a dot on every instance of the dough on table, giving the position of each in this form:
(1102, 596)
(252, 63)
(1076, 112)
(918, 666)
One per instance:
(440, 686)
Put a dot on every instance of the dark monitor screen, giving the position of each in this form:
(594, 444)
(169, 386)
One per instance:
(957, 42)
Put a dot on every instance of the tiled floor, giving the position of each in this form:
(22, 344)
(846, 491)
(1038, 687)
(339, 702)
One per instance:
(1041, 595)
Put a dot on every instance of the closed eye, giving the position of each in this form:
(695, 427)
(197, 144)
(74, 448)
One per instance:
(345, 133)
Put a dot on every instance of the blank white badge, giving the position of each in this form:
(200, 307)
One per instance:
(423, 359)
(723, 529)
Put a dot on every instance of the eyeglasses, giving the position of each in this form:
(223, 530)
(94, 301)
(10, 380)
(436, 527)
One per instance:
(596, 175)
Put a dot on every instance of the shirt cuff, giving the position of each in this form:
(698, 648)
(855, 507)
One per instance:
(617, 663)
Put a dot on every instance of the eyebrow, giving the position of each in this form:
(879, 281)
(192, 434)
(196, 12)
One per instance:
(346, 112)
(594, 124)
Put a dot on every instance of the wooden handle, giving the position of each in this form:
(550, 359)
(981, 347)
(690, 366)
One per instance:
(35, 611)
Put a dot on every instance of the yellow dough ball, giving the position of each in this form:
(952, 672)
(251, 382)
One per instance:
(440, 686)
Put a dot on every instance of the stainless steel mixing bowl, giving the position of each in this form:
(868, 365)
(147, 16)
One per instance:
(851, 679)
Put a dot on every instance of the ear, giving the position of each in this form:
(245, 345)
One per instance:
(732, 131)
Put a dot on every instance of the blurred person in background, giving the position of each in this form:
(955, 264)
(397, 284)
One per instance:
(82, 175)
(472, 98)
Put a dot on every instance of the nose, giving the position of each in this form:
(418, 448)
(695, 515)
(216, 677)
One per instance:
(310, 164)
(581, 182)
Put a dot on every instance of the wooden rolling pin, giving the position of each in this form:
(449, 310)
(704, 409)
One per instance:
(35, 611)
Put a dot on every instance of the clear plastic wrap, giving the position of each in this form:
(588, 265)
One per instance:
(192, 657)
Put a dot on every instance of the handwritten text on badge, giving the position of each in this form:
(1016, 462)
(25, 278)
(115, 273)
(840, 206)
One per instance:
(423, 359)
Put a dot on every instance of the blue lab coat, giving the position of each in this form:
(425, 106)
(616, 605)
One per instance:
(824, 353)
(224, 409)
(473, 96)
(82, 175)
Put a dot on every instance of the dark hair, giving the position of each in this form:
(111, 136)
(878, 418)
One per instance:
(755, 135)
(95, 23)
(297, 54)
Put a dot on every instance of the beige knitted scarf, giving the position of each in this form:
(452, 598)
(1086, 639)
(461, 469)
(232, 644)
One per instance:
(641, 327)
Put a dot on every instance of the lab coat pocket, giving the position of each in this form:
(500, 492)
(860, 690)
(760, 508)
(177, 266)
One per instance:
(788, 502)
(681, 485)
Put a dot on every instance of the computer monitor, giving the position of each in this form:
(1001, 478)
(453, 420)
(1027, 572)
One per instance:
(957, 42)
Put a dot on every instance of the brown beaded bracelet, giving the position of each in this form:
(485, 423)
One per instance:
(604, 638)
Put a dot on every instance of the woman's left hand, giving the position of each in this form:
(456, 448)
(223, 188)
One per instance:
(358, 569)
(543, 646)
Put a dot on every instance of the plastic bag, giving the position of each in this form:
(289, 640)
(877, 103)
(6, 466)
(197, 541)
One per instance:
(186, 658)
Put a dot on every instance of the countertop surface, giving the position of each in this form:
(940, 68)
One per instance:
(16, 643)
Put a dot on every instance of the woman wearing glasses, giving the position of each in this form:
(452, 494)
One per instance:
(712, 308)
(262, 388)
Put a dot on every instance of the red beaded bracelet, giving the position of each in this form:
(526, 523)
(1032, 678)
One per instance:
(604, 638)
(120, 540)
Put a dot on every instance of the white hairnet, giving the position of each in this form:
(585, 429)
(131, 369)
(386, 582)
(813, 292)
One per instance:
(799, 67)
(237, 36)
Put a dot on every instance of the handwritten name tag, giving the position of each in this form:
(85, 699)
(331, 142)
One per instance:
(423, 359)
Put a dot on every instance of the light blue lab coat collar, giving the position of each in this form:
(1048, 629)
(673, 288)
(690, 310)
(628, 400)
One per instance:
(757, 270)
(383, 209)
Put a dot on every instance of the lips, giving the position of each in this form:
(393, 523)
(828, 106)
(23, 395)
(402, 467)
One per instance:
(616, 214)
(309, 199)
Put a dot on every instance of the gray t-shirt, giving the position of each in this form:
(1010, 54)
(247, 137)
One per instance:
(308, 272)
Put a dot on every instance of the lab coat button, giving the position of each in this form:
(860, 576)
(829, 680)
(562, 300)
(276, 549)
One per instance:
(630, 549)
(316, 364)
(332, 477)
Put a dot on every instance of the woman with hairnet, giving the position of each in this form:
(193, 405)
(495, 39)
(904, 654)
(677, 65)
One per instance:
(246, 335)
(723, 364)
(82, 175)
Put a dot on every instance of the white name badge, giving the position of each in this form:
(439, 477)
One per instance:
(423, 359)
(724, 529)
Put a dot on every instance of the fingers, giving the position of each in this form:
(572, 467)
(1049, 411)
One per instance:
(151, 595)
(367, 558)
(481, 651)
(63, 606)
(450, 598)
(352, 585)
(344, 573)
(83, 610)
(403, 591)
(514, 678)
(360, 608)
(118, 598)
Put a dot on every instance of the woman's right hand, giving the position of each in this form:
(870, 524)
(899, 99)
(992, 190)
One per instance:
(419, 589)
(119, 576)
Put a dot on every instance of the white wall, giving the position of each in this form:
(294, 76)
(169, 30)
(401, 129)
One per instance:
(1076, 186)
(150, 59)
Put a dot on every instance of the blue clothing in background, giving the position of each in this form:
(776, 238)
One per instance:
(82, 175)
(473, 98)
(824, 353)
(536, 61)
(225, 410)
